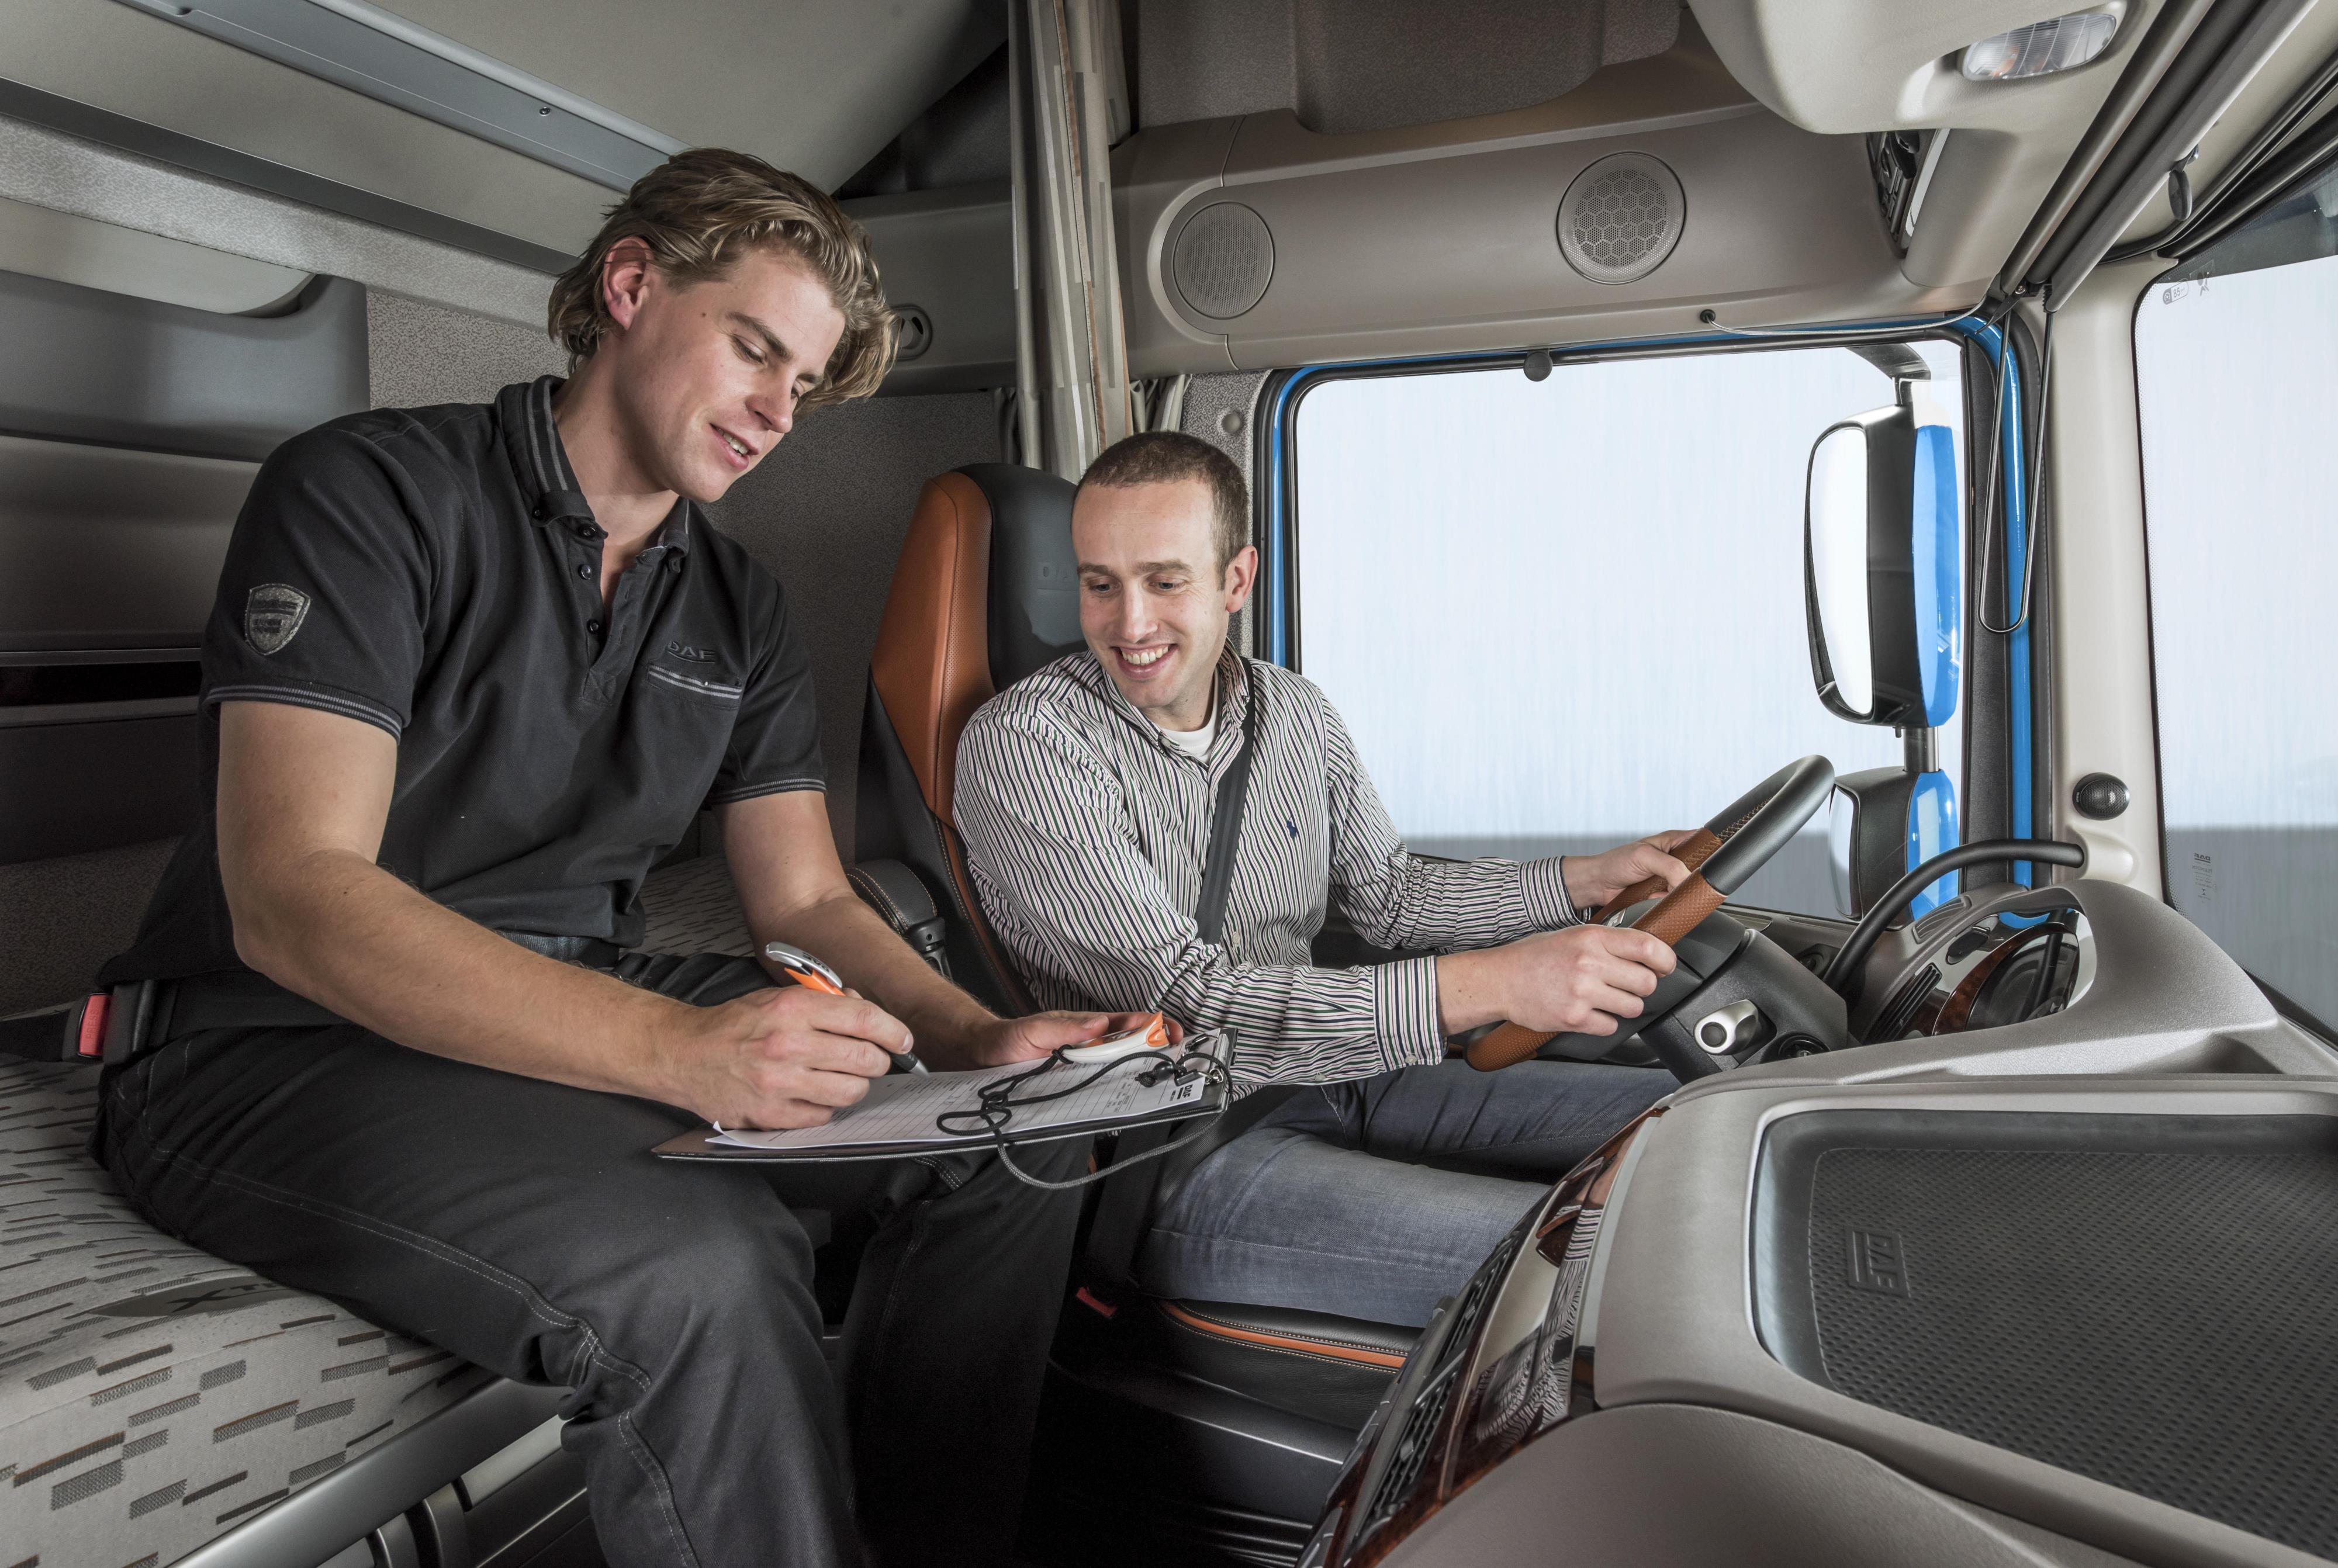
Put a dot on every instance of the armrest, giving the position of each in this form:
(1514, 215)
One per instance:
(907, 905)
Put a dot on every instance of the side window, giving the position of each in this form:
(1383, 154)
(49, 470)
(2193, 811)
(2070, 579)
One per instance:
(1561, 614)
(2231, 371)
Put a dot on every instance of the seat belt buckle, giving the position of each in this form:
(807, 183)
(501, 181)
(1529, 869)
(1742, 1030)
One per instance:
(127, 1016)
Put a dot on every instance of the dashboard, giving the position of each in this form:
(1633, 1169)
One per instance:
(2048, 1272)
(1978, 960)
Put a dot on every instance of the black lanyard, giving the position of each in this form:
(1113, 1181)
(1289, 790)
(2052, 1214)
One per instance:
(997, 1105)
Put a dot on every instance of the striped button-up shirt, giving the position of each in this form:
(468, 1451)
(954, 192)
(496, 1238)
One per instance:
(1087, 833)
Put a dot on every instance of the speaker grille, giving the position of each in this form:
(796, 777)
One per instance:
(1621, 218)
(1224, 260)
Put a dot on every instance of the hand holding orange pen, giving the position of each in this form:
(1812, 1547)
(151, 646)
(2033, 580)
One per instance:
(809, 972)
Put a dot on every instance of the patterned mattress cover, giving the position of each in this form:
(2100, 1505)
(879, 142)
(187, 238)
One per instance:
(152, 1397)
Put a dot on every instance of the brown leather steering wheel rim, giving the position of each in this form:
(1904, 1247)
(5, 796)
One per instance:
(1676, 914)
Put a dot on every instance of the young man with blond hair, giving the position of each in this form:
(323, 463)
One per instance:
(471, 670)
(1086, 794)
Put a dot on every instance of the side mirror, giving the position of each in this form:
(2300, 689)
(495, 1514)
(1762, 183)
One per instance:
(1882, 571)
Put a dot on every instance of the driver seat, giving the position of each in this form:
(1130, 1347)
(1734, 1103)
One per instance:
(986, 592)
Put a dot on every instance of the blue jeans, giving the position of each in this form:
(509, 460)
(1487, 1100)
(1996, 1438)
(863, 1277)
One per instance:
(1373, 1198)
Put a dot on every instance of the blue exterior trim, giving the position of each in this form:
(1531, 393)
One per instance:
(1931, 829)
(1940, 573)
(1274, 584)
(2021, 767)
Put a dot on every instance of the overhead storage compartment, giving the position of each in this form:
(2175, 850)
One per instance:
(1254, 243)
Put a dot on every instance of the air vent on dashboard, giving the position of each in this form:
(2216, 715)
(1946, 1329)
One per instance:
(1621, 218)
(1222, 260)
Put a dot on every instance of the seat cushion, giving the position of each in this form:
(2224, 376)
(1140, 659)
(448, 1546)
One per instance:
(152, 1397)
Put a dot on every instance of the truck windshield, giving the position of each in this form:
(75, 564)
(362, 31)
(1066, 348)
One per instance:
(1561, 614)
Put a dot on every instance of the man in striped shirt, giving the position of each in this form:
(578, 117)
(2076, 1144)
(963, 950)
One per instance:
(1085, 795)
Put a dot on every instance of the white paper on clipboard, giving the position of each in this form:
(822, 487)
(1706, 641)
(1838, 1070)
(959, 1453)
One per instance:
(903, 1107)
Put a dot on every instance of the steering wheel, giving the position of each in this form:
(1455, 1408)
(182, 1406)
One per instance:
(1720, 857)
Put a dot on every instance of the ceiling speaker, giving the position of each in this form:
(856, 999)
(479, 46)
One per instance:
(1621, 218)
(1222, 260)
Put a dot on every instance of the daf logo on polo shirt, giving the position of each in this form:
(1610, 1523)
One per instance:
(684, 651)
(272, 613)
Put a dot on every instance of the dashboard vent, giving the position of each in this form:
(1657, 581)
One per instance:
(1621, 218)
(1480, 1289)
(1414, 1444)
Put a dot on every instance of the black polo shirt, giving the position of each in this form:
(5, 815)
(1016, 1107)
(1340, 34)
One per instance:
(436, 573)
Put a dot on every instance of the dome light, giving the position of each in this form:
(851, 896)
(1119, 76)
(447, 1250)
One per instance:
(2042, 48)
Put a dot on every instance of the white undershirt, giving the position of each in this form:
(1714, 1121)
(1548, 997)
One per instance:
(1194, 743)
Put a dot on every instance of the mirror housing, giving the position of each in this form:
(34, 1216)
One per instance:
(1883, 569)
(1882, 824)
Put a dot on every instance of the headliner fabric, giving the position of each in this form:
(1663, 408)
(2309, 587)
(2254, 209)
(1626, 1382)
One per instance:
(152, 1397)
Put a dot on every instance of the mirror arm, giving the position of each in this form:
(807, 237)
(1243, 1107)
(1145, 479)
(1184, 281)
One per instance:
(1921, 747)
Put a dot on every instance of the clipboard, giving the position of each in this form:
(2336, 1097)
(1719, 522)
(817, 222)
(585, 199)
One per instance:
(896, 1121)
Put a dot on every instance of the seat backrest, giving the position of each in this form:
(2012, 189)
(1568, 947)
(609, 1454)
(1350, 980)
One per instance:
(987, 591)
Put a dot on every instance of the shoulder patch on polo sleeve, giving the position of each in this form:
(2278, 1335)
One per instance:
(272, 613)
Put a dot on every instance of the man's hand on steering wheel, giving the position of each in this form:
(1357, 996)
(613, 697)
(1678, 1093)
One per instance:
(1593, 879)
(1581, 979)
(1687, 887)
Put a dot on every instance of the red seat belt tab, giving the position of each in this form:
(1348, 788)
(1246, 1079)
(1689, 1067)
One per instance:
(85, 1026)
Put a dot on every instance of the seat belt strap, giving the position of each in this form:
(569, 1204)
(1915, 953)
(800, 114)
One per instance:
(1125, 1209)
(1225, 827)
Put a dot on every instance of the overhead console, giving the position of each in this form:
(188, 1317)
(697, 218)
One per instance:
(1657, 189)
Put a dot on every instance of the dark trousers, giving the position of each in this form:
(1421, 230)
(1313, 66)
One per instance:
(525, 1226)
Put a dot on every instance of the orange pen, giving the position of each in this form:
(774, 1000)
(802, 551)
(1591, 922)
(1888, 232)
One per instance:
(809, 972)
